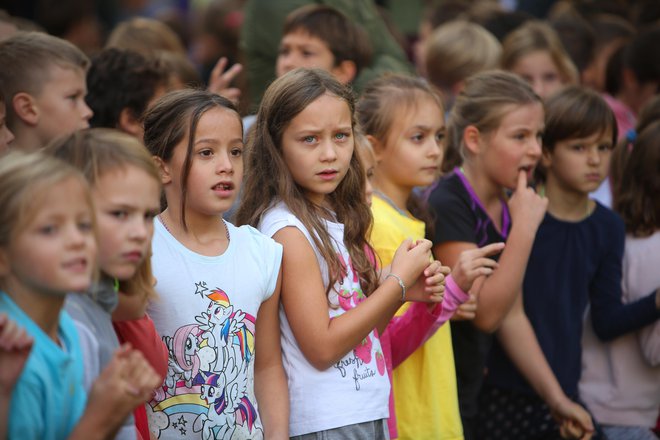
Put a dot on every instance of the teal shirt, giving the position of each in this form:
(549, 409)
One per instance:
(48, 399)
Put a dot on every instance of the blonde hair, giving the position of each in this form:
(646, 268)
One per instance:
(28, 59)
(483, 103)
(537, 36)
(96, 151)
(146, 36)
(459, 49)
(24, 177)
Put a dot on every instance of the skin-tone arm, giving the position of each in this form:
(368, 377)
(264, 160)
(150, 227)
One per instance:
(15, 346)
(126, 382)
(325, 341)
(496, 293)
(517, 337)
(270, 384)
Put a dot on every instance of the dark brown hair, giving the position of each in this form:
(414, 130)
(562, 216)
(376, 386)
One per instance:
(174, 117)
(637, 197)
(267, 178)
(346, 40)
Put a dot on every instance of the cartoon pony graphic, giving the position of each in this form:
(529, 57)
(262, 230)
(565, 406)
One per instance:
(229, 407)
(188, 355)
(229, 332)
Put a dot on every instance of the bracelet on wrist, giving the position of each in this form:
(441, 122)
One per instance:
(400, 281)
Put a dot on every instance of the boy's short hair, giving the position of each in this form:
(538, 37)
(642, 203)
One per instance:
(27, 59)
(459, 49)
(120, 79)
(346, 40)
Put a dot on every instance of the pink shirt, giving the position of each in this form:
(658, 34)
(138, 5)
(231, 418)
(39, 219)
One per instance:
(406, 333)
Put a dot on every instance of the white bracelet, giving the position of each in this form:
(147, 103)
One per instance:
(403, 286)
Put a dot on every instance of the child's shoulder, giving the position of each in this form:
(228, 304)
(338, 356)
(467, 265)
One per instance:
(607, 218)
(449, 190)
(248, 235)
(278, 216)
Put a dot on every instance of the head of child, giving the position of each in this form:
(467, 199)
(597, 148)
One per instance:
(43, 81)
(302, 153)
(197, 140)
(126, 190)
(636, 198)
(6, 136)
(47, 241)
(580, 134)
(456, 51)
(317, 36)
(535, 52)
(404, 121)
(496, 125)
(122, 84)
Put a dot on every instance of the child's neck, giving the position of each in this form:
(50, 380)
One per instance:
(205, 234)
(489, 192)
(395, 193)
(566, 204)
(42, 308)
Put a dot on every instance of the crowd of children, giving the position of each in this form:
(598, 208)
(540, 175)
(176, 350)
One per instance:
(467, 252)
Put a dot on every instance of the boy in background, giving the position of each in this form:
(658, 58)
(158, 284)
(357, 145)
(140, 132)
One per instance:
(43, 82)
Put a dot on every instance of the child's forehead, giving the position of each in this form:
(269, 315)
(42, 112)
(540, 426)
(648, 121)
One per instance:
(305, 35)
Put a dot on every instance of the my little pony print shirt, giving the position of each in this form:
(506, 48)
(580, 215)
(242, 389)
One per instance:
(206, 314)
(355, 389)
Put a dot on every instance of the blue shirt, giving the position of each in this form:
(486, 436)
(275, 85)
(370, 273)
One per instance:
(48, 399)
(571, 265)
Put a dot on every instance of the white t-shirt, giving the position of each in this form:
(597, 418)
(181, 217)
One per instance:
(355, 389)
(206, 314)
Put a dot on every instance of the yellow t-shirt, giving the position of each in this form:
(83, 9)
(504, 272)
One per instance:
(424, 385)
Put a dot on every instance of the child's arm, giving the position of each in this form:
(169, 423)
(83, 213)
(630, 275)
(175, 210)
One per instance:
(519, 341)
(270, 384)
(410, 330)
(649, 339)
(126, 382)
(15, 347)
(496, 294)
(323, 340)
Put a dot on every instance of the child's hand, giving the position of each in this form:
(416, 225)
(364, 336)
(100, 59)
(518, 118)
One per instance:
(410, 259)
(219, 81)
(475, 263)
(125, 383)
(467, 310)
(526, 207)
(575, 422)
(431, 283)
(15, 346)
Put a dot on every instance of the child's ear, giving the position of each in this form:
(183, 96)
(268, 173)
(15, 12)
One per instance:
(164, 169)
(25, 107)
(129, 123)
(377, 146)
(546, 158)
(472, 139)
(345, 71)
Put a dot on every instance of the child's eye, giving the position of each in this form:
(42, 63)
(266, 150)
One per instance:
(605, 147)
(370, 173)
(85, 226)
(341, 136)
(119, 214)
(309, 139)
(519, 136)
(236, 152)
(307, 54)
(417, 137)
(48, 229)
(577, 147)
(440, 137)
(206, 153)
(150, 215)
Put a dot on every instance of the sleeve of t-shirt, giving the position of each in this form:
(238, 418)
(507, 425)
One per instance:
(454, 219)
(271, 252)
(612, 318)
(142, 335)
